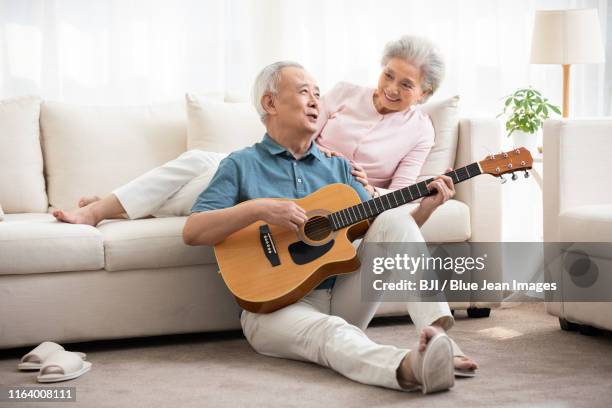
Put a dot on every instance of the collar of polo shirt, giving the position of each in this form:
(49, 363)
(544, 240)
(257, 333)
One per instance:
(274, 148)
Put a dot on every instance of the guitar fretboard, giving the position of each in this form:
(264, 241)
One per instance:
(374, 207)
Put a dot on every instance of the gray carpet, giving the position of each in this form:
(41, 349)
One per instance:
(526, 361)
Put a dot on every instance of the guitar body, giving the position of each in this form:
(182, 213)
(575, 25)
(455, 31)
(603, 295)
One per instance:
(267, 267)
(258, 285)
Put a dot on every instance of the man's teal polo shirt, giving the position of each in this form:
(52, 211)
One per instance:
(268, 170)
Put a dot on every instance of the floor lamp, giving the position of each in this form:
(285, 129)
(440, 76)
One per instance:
(566, 37)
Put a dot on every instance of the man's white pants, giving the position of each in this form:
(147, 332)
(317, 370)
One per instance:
(327, 326)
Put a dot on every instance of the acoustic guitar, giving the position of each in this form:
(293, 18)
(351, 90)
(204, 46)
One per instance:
(267, 267)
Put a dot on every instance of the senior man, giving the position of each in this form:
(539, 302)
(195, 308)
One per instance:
(325, 327)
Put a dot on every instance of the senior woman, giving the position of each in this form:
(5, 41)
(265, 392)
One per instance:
(386, 136)
(381, 131)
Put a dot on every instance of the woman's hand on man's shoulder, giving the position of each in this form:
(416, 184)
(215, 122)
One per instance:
(329, 153)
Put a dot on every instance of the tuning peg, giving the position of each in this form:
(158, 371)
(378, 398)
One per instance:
(514, 176)
(503, 180)
(526, 174)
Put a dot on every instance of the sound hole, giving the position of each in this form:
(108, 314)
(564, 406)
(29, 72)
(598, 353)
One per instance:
(317, 228)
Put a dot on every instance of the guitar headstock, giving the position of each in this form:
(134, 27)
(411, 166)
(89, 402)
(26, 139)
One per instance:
(509, 162)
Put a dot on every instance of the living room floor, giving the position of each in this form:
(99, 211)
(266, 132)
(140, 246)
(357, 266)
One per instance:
(525, 358)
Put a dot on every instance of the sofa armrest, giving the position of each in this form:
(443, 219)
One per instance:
(483, 194)
(577, 153)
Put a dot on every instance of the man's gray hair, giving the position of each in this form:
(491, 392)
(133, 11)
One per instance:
(421, 52)
(267, 81)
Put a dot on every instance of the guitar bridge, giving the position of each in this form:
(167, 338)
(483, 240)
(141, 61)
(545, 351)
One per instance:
(268, 246)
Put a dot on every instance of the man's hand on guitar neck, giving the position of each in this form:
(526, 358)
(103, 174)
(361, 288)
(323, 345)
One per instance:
(212, 227)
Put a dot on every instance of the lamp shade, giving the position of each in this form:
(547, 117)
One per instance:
(567, 37)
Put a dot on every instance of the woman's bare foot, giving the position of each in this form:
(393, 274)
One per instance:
(92, 210)
(86, 200)
(83, 215)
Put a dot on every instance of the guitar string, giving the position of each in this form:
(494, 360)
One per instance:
(317, 230)
(312, 226)
(318, 223)
(327, 219)
(314, 233)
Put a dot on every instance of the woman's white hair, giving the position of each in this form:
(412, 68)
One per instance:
(421, 52)
(267, 82)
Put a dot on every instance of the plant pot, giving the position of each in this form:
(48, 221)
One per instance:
(528, 140)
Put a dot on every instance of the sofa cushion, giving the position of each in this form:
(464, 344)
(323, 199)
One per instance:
(93, 150)
(220, 126)
(587, 223)
(158, 242)
(445, 118)
(22, 184)
(150, 243)
(37, 243)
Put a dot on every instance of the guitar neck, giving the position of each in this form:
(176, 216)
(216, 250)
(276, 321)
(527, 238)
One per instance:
(376, 206)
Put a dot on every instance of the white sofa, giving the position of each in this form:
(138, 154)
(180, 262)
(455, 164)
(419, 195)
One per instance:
(578, 208)
(68, 283)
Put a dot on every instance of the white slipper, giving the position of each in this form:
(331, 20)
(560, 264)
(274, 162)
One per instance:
(61, 366)
(35, 358)
(433, 368)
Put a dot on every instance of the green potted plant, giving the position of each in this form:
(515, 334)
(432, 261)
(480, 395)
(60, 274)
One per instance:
(526, 111)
